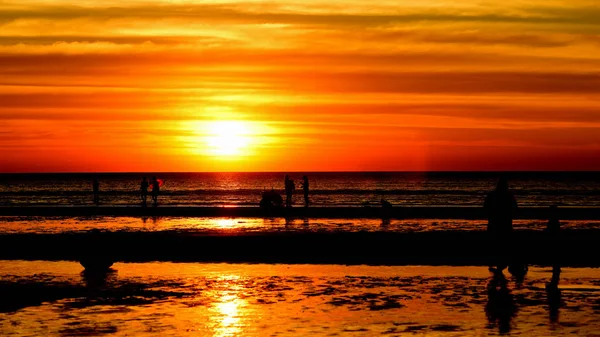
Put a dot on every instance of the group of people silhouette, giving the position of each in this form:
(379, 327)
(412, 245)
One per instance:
(500, 207)
(290, 187)
(153, 186)
(272, 199)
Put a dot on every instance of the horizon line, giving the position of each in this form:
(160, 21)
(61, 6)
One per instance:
(284, 172)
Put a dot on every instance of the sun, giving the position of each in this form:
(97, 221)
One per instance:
(228, 138)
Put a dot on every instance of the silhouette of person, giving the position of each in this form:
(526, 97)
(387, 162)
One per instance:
(553, 221)
(386, 210)
(144, 191)
(96, 191)
(155, 191)
(305, 189)
(385, 204)
(500, 207)
(290, 187)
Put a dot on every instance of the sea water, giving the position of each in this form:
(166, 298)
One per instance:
(326, 189)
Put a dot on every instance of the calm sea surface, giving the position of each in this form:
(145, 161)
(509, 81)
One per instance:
(327, 189)
(166, 299)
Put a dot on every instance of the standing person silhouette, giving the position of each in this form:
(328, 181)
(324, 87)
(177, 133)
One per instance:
(500, 207)
(144, 191)
(155, 191)
(289, 190)
(96, 191)
(305, 189)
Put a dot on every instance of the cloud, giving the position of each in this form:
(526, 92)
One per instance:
(123, 76)
(243, 13)
(54, 40)
(539, 40)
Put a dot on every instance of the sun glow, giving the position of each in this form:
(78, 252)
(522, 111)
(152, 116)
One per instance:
(228, 138)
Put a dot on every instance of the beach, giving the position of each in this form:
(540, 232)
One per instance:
(185, 299)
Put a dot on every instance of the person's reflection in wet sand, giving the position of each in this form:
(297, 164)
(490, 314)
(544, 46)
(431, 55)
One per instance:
(385, 223)
(553, 294)
(501, 307)
(518, 270)
(552, 291)
(94, 280)
(306, 223)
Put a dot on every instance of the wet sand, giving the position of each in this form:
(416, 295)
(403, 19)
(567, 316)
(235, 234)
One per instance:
(570, 248)
(412, 212)
(184, 299)
(225, 225)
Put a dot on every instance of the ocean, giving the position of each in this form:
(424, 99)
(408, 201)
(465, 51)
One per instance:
(326, 189)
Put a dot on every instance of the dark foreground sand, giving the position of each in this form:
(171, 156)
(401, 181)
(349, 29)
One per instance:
(569, 248)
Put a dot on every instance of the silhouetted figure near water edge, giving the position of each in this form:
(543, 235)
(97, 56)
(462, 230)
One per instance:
(155, 191)
(500, 207)
(305, 189)
(289, 190)
(553, 221)
(96, 191)
(144, 191)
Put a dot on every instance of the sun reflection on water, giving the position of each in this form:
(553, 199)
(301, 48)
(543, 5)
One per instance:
(225, 223)
(228, 309)
(193, 299)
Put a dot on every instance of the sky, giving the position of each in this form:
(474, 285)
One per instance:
(300, 85)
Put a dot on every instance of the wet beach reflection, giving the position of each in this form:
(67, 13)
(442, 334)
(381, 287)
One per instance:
(48, 225)
(288, 300)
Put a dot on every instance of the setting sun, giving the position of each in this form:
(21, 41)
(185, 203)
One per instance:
(228, 138)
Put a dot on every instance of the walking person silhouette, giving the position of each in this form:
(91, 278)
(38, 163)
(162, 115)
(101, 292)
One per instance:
(500, 207)
(144, 191)
(155, 191)
(289, 190)
(305, 189)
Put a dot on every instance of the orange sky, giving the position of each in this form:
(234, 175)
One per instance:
(299, 85)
